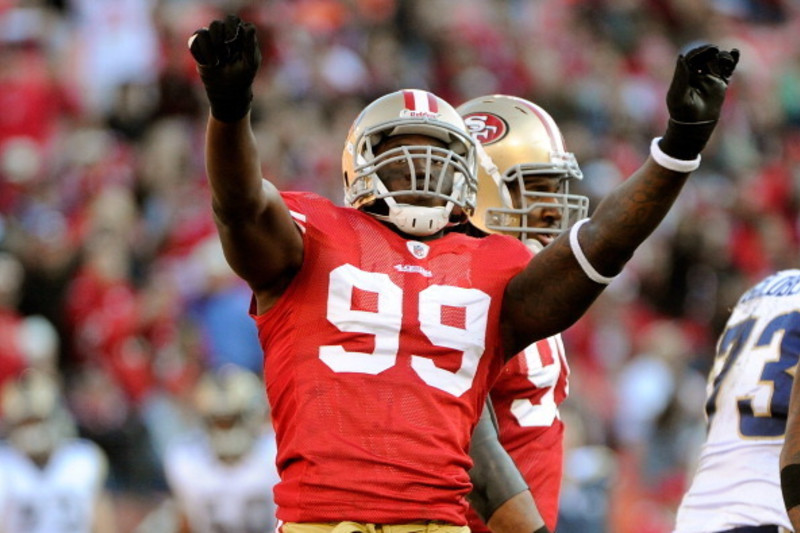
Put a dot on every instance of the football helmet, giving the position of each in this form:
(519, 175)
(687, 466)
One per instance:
(521, 148)
(231, 402)
(428, 170)
(33, 415)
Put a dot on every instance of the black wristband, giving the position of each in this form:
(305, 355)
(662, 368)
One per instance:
(542, 529)
(790, 485)
(685, 140)
(230, 109)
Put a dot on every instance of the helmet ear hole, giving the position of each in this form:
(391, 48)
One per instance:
(375, 140)
(458, 148)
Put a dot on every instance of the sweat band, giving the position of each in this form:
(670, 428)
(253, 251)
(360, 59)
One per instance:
(587, 267)
(669, 162)
(790, 485)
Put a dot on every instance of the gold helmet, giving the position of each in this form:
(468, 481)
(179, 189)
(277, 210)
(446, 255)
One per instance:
(520, 145)
(231, 402)
(418, 112)
(33, 414)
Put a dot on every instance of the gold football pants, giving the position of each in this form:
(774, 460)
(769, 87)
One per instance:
(358, 527)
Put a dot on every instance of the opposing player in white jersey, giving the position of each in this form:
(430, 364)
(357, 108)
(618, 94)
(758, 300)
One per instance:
(222, 479)
(523, 191)
(50, 482)
(736, 486)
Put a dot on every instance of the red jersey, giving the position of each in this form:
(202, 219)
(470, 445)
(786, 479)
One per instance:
(378, 359)
(525, 398)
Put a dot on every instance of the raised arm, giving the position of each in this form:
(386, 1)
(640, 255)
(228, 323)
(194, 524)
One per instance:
(261, 242)
(584, 260)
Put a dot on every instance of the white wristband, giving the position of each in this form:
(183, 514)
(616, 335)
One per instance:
(588, 269)
(669, 162)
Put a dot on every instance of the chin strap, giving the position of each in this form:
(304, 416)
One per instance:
(534, 245)
(417, 220)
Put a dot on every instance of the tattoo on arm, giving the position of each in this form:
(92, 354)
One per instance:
(553, 291)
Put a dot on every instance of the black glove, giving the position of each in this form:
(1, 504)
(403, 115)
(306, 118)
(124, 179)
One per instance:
(227, 56)
(694, 99)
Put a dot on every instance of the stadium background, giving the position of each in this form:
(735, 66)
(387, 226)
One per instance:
(103, 202)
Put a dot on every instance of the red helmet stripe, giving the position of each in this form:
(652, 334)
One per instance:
(433, 105)
(408, 99)
(422, 101)
(553, 133)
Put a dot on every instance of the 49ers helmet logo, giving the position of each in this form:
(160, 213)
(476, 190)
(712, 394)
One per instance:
(486, 127)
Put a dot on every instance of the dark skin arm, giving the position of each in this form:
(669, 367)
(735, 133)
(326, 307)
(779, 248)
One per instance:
(500, 494)
(790, 453)
(260, 240)
(618, 226)
(518, 514)
(533, 306)
(794, 517)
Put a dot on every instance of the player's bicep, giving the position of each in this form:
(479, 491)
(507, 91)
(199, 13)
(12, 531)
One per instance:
(546, 297)
(263, 244)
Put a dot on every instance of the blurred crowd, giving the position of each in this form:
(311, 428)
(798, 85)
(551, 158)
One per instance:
(111, 272)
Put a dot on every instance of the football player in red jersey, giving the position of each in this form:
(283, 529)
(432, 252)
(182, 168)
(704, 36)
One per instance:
(523, 191)
(382, 334)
